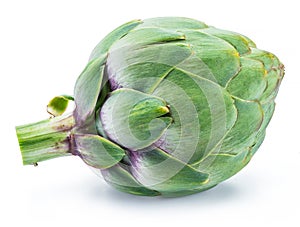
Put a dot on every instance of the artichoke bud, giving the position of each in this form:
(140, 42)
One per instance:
(165, 106)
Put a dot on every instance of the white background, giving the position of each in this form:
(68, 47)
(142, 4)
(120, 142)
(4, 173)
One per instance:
(45, 45)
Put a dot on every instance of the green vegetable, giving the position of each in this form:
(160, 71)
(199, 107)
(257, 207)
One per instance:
(165, 106)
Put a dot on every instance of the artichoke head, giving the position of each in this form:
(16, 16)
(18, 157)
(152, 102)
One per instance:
(165, 106)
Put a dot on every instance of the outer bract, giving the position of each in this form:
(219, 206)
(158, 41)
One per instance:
(165, 106)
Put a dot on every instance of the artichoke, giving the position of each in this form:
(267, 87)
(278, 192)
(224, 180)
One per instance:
(165, 106)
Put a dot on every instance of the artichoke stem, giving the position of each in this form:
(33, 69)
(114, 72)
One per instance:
(45, 139)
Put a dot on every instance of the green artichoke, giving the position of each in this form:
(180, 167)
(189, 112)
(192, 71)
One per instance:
(165, 106)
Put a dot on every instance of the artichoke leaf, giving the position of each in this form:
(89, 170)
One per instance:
(160, 171)
(105, 44)
(269, 60)
(249, 120)
(144, 67)
(240, 42)
(87, 89)
(133, 119)
(223, 165)
(58, 105)
(250, 82)
(97, 151)
(268, 109)
(120, 178)
(273, 81)
(223, 65)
